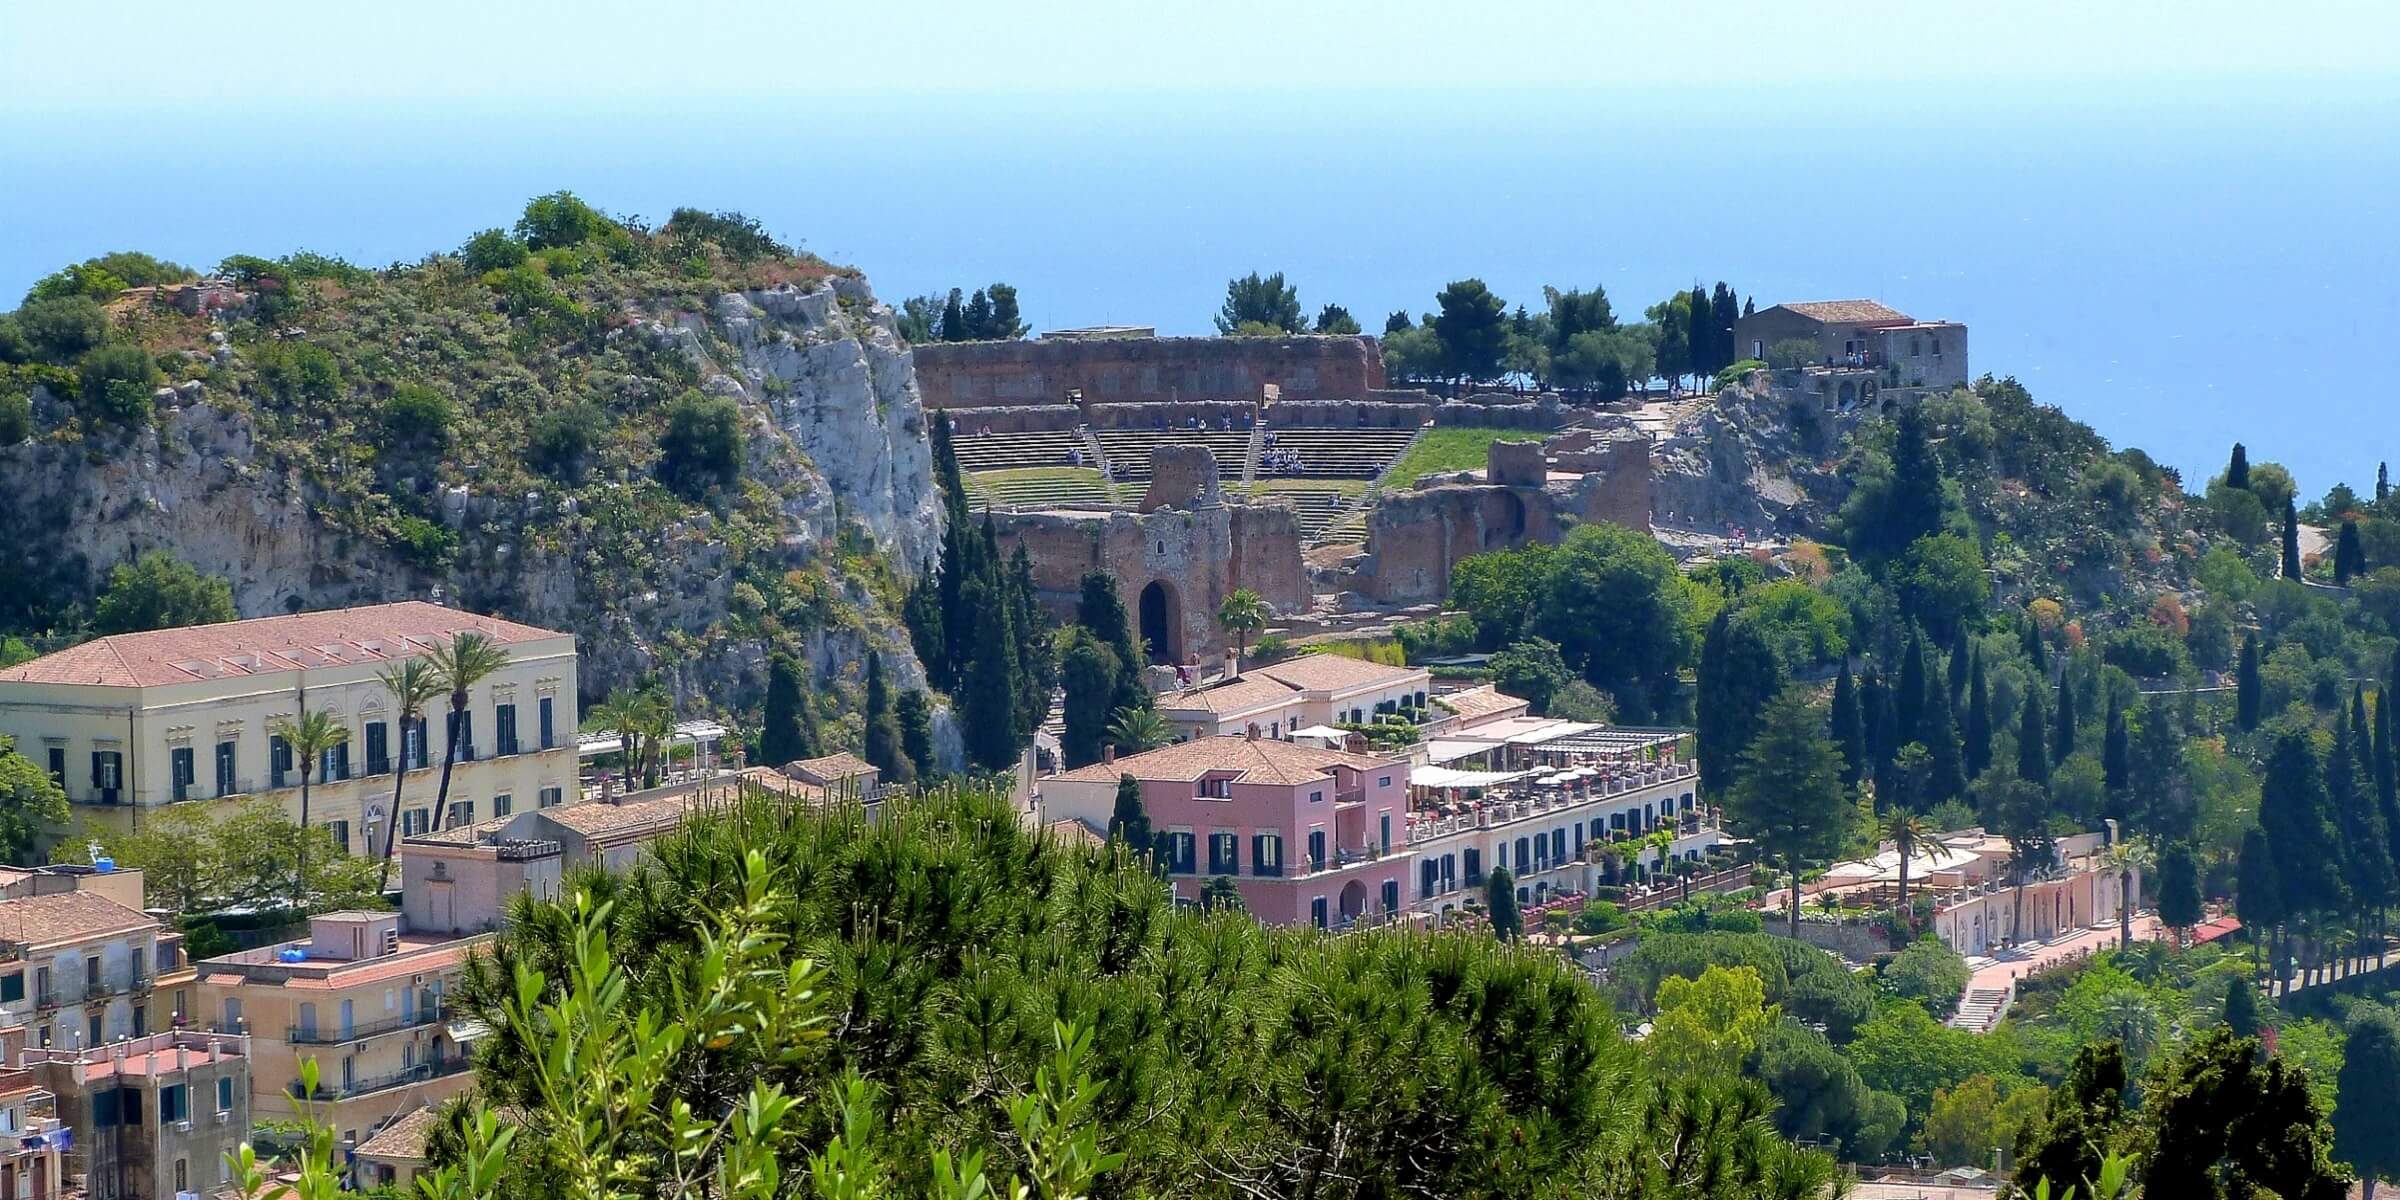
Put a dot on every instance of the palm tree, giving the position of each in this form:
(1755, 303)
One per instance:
(1662, 843)
(654, 720)
(1243, 613)
(1907, 831)
(2127, 856)
(312, 734)
(413, 683)
(464, 661)
(1137, 729)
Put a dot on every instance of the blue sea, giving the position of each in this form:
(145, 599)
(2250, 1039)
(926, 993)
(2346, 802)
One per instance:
(2179, 274)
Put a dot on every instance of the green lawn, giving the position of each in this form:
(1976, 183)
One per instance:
(1450, 448)
(1030, 485)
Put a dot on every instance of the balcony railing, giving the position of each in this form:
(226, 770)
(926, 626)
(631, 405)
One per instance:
(420, 1073)
(320, 1035)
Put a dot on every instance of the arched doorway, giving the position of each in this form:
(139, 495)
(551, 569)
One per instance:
(1160, 623)
(1354, 900)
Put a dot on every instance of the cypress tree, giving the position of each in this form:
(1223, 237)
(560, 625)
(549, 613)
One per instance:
(2349, 554)
(1962, 655)
(2383, 482)
(1129, 821)
(1978, 729)
(2291, 540)
(2258, 886)
(1946, 778)
(915, 714)
(2387, 779)
(2064, 738)
(2033, 740)
(2249, 694)
(1737, 675)
(2293, 811)
(1849, 729)
(783, 733)
(954, 319)
(2237, 471)
(1908, 706)
(921, 612)
(988, 691)
(883, 743)
(1885, 753)
(1722, 308)
(2241, 1007)
(1089, 671)
(2116, 754)
(1500, 897)
(2029, 638)
(1037, 669)
(1703, 335)
(2367, 865)
(2178, 887)
(1102, 610)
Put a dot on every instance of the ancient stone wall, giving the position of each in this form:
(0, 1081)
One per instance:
(1116, 370)
(1414, 538)
(1540, 414)
(1182, 477)
(1370, 414)
(1172, 414)
(1193, 557)
(1023, 418)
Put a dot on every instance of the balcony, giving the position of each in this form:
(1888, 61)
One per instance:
(311, 1035)
(421, 1073)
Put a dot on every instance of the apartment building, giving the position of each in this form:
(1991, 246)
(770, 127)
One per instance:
(1279, 699)
(34, 1138)
(1564, 830)
(1304, 834)
(129, 723)
(365, 997)
(86, 966)
(153, 1117)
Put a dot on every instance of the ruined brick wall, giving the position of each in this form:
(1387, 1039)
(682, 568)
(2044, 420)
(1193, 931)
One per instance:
(1346, 414)
(1117, 370)
(1182, 477)
(1415, 538)
(1196, 556)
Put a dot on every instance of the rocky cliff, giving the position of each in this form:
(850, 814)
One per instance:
(302, 497)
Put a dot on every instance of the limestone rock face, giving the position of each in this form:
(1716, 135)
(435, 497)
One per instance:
(834, 428)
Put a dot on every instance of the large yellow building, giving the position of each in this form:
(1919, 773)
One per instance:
(130, 723)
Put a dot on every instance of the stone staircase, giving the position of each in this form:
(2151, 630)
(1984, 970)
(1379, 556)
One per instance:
(1128, 450)
(1258, 439)
(1342, 453)
(1981, 1009)
(1016, 451)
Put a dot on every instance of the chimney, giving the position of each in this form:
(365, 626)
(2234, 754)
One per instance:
(608, 787)
(1251, 733)
(1108, 754)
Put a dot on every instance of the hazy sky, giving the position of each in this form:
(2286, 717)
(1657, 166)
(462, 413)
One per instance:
(574, 54)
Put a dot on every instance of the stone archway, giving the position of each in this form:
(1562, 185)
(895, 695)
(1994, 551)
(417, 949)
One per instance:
(1354, 900)
(1161, 620)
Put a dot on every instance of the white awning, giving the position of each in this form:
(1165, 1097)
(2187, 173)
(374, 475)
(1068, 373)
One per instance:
(1444, 777)
(1323, 733)
(468, 1030)
(1449, 750)
(593, 745)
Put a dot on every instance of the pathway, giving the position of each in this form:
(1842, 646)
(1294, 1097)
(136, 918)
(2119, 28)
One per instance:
(2002, 972)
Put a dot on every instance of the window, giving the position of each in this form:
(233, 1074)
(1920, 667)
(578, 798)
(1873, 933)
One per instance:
(1266, 854)
(1385, 781)
(551, 796)
(504, 729)
(58, 766)
(1937, 347)
(182, 1180)
(1472, 859)
(462, 812)
(107, 1108)
(1524, 853)
(1316, 797)
(1391, 895)
(174, 1103)
(92, 1033)
(412, 744)
(1558, 845)
(12, 987)
(379, 748)
(181, 772)
(341, 834)
(225, 781)
(1316, 849)
(462, 734)
(225, 1093)
(1180, 850)
(549, 722)
(1221, 850)
(279, 759)
(1316, 912)
(107, 771)
(1386, 843)
(502, 804)
(1429, 874)
(1916, 348)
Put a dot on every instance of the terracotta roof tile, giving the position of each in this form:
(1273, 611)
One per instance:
(1478, 703)
(1331, 672)
(66, 917)
(1844, 312)
(404, 1138)
(1263, 760)
(831, 768)
(158, 657)
(601, 820)
(1239, 694)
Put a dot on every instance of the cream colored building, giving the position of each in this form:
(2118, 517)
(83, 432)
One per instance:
(364, 997)
(81, 964)
(1280, 699)
(131, 723)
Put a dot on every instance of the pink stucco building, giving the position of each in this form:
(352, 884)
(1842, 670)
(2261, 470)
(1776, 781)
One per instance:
(1307, 835)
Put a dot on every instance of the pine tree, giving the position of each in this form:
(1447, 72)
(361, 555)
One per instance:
(2241, 1007)
(883, 747)
(2249, 693)
(954, 320)
(1737, 675)
(2291, 540)
(2237, 471)
(1790, 801)
(915, 714)
(783, 732)
(1500, 900)
(2366, 1123)
(2063, 737)
(1849, 729)
(1978, 728)
(2033, 741)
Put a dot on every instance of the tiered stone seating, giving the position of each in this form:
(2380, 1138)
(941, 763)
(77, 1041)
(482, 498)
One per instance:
(1317, 508)
(1336, 453)
(1049, 487)
(1012, 451)
(1128, 450)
